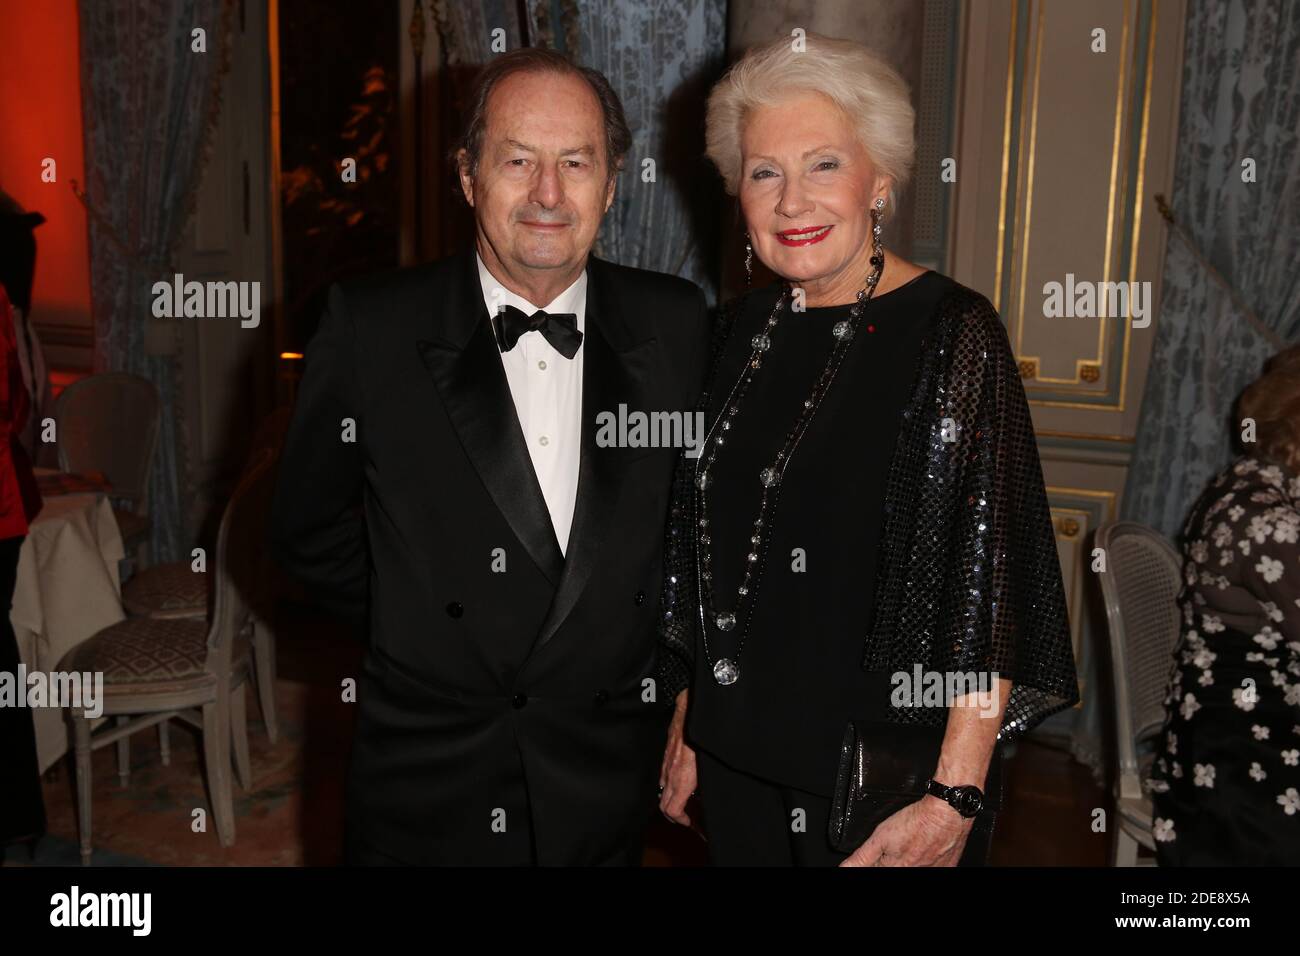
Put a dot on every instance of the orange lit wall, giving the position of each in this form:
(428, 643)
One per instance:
(40, 116)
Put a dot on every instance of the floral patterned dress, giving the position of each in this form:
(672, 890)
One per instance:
(1226, 782)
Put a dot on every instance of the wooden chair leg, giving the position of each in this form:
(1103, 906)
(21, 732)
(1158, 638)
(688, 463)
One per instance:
(1125, 850)
(123, 755)
(264, 664)
(165, 742)
(239, 738)
(81, 736)
(216, 756)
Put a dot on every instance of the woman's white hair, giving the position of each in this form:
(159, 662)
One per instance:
(869, 91)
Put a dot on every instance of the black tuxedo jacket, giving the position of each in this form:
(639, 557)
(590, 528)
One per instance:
(503, 716)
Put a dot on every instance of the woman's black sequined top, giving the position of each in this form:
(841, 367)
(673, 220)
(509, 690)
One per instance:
(967, 577)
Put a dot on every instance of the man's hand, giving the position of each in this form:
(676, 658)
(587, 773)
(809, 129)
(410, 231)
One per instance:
(925, 833)
(677, 775)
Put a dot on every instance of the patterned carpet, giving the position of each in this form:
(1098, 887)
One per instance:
(148, 820)
(294, 814)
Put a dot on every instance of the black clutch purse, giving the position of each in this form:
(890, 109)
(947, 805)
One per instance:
(883, 767)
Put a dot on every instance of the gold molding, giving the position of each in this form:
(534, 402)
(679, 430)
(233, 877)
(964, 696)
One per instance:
(1006, 162)
(1108, 496)
(1079, 611)
(1029, 175)
(1116, 138)
(1118, 197)
(1051, 433)
(1137, 205)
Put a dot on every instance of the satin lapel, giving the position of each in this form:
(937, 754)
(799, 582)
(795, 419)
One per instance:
(609, 378)
(465, 365)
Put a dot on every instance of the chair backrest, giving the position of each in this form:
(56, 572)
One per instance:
(270, 434)
(1140, 587)
(241, 559)
(109, 423)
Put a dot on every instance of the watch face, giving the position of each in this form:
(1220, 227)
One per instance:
(968, 801)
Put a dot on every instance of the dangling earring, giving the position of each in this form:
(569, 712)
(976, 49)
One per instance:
(749, 262)
(877, 250)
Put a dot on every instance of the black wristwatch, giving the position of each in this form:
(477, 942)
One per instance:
(967, 800)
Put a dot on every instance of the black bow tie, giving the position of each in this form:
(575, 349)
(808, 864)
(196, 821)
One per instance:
(560, 330)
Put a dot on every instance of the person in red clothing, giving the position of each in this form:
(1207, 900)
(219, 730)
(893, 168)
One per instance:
(22, 807)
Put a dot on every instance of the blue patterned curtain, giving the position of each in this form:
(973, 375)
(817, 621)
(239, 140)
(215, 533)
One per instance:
(1241, 101)
(148, 107)
(661, 56)
(467, 28)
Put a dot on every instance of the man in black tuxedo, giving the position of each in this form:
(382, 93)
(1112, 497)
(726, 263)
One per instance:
(509, 559)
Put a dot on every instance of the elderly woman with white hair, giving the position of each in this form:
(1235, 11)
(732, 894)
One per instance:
(862, 597)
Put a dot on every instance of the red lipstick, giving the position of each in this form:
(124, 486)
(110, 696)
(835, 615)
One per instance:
(803, 237)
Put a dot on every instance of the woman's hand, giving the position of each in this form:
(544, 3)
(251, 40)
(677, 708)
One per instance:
(930, 832)
(677, 775)
(925, 833)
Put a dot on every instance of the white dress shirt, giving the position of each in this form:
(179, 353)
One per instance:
(547, 390)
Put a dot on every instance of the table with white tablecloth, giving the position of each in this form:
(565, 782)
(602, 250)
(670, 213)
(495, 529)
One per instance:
(67, 590)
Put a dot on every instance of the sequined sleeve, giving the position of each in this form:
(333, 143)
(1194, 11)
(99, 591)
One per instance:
(970, 580)
(1016, 601)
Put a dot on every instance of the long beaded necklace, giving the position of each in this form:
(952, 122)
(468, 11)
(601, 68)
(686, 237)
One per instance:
(727, 670)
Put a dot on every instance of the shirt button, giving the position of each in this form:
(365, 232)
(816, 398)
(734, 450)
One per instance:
(455, 609)
(639, 599)
(542, 364)
(518, 701)
(543, 440)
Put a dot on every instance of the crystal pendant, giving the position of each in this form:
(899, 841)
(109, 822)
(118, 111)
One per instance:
(725, 622)
(841, 330)
(726, 672)
(768, 477)
(702, 480)
(761, 342)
